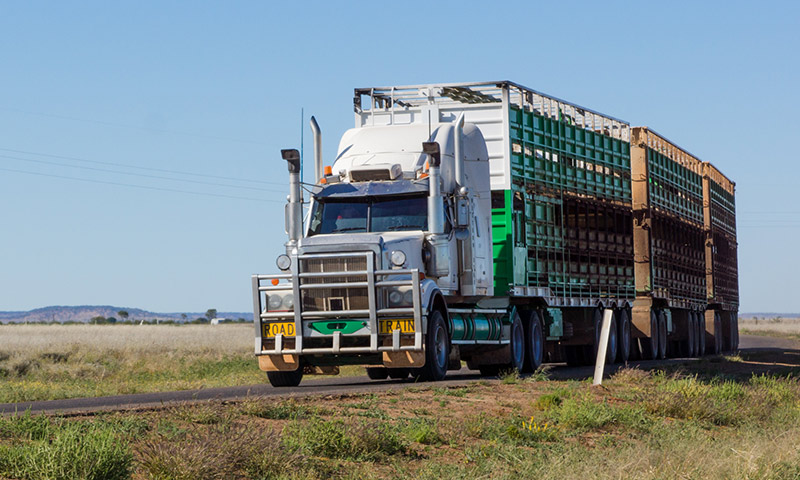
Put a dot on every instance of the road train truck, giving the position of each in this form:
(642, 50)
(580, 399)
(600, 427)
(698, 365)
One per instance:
(491, 224)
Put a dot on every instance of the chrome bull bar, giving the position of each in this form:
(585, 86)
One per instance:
(368, 279)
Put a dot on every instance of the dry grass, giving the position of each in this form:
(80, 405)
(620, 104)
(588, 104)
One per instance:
(44, 362)
(24, 341)
(785, 327)
(640, 425)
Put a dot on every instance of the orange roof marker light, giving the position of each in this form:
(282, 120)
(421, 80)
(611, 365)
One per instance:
(328, 170)
(275, 281)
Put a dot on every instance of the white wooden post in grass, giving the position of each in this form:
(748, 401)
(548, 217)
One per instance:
(600, 362)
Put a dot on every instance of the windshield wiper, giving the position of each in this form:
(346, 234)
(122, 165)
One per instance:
(347, 229)
(403, 227)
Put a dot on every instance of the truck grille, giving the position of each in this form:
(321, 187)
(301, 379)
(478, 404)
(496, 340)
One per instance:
(334, 299)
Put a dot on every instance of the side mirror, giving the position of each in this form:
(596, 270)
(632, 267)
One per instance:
(292, 157)
(432, 149)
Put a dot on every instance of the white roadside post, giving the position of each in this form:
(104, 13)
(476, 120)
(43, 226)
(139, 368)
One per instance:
(600, 362)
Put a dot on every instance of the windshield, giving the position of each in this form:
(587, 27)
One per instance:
(370, 215)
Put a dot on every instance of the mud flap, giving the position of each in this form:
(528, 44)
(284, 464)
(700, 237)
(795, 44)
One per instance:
(403, 359)
(278, 363)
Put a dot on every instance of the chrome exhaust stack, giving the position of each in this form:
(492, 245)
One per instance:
(318, 173)
(294, 209)
(458, 144)
(439, 259)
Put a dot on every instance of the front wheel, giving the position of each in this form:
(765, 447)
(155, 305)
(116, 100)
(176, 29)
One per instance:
(285, 379)
(437, 349)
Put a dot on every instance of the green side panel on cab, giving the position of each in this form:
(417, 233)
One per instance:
(502, 241)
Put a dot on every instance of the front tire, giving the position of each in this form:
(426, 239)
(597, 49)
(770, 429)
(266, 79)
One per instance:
(285, 379)
(437, 349)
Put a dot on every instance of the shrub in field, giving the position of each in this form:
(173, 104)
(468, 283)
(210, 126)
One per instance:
(530, 432)
(218, 453)
(67, 451)
(548, 401)
(338, 439)
(424, 431)
(585, 413)
(716, 402)
(287, 410)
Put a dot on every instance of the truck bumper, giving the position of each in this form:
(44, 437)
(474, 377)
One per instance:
(284, 351)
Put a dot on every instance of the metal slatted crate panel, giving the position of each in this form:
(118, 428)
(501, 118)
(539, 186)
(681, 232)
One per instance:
(561, 155)
(722, 201)
(579, 248)
(598, 249)
(726, 271)
(675, 178)
(720, 224)
(678, 261)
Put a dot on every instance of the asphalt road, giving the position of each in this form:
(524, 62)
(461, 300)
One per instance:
(318, 386)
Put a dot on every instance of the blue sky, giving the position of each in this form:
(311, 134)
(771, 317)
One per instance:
(215, 89)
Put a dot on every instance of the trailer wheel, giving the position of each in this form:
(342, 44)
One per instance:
(534, 343)
(285, 379)
(735, 331)
(662, 335)
(650, 344)
(623, 336)
(691, 336)
(377, 373)
(701, 330)
(437, 349)
(717, 334)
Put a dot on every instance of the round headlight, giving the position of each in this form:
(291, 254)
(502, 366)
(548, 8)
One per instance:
(408, 297)
(275, 302)
(288, 302)
(283, 262)
(398, 258)
(395, 297)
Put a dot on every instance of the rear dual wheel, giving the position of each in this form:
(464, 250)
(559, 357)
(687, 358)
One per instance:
(623, 335)
(690, 345)
(534, 342)
(518, 351)
(701, 333)
(649, 345)
(718, 343)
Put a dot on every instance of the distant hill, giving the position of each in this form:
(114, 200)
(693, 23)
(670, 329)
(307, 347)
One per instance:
(84, 313)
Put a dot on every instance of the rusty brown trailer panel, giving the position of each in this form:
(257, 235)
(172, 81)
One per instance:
(669, 252)
(719, 219)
